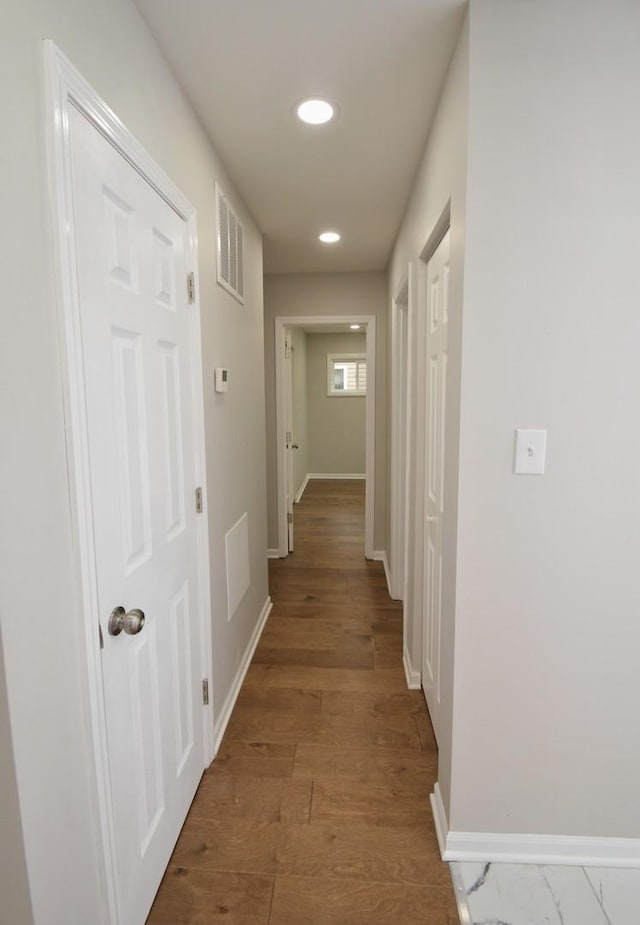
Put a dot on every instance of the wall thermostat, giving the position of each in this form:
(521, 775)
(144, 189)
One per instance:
(222, 379)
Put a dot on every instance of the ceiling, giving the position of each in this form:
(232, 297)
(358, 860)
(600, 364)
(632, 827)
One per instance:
(244, 64)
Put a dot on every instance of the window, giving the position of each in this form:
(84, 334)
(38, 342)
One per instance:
(346, 374)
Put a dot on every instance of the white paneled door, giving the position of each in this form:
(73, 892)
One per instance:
(131, 248)
(436, 323)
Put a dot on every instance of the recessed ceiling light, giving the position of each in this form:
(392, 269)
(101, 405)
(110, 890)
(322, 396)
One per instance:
(354, 327)
(329, 237)
(315, 112)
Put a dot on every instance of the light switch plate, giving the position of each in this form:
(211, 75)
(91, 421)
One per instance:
(530, 453)
(221, 379)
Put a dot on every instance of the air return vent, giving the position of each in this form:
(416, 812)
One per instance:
(230, 247)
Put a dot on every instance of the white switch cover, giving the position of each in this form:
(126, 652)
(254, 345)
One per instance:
(221, 379)
(531, 446)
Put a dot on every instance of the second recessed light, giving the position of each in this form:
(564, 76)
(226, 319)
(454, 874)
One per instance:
(329, 237)
(315, 112)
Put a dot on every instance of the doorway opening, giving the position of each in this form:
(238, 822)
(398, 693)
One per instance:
(344, 373)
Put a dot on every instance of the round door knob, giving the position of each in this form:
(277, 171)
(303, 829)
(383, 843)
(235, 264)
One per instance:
(130, 621)
(431, 519)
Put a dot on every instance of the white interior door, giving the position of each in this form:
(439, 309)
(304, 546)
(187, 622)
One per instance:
(131, 249)
(436, 323)
(290, 445)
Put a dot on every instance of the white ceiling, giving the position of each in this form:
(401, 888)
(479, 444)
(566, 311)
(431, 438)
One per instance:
(245, 63)
(332, 329)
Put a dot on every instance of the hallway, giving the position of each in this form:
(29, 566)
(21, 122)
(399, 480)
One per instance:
(316, 809)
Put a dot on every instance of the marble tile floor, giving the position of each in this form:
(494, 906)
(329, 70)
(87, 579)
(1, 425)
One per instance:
(529, 894)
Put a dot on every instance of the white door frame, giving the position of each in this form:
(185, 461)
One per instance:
(289, 451)
(298, 321)
(66, 88)
(401, 368)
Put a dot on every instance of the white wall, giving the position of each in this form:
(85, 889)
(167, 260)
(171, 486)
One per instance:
(39, 607)
(441, 179)
(547, 631)
(347, 294)
(540, 617)
(337, 425)
(15, 902)
(298, 340)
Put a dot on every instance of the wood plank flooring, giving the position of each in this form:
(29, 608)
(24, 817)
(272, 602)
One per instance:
(316, 809)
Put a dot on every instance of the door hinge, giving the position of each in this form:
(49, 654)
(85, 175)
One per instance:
(191, 288)
(289, 518)
(287, 437)
(198, 501)
(287, 352)
(101, 636)
(205, 692)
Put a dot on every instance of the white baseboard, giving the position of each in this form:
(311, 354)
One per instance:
(301, 489)
(572, 850)
(380, 555)
(414, 678)
(273, 553)
(387, 572)
(440, 819)
(508, 848)
(229, 703)
(336, 475)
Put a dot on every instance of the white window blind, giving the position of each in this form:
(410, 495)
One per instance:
(346, 375)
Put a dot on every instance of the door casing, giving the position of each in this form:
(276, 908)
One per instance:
(65, 88)
(401, 416)
(289, 449)
(435, 311)
(414, 603)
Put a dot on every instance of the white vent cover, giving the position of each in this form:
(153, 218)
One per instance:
(238, 574)
(230, 247)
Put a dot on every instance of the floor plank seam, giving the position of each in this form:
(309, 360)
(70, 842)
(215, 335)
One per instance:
(311, 800)
(411, 884)
(273, 891)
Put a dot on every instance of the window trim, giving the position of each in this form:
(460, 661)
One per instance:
(347, 358)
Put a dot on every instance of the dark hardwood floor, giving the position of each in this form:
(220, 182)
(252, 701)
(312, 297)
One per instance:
(316, 809)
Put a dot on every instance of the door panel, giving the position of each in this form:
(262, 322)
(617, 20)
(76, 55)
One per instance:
(172, 433)
(131, 255)
(182, 667)
(130, 451)
(145, 715)
(437, 316)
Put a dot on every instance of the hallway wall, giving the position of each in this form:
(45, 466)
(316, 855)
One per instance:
(348, 294)
(441, 181)
(547, 633)
(15, 901)
(39, 607)
(337, 426)
(537, 143)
